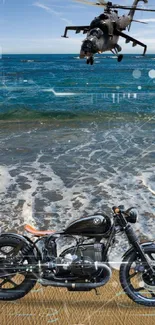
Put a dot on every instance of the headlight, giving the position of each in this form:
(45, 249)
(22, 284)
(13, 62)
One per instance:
(132, 216)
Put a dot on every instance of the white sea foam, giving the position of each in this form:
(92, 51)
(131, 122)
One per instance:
(148, 179)
(5, 179)
(60, 94)
(79, 172)
(27, 196)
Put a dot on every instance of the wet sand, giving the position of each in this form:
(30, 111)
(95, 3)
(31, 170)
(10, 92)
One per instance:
(58, 306)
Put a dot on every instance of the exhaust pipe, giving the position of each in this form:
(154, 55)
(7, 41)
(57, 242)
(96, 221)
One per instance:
(80, 286)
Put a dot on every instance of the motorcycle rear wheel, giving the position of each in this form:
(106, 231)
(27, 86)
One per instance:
(139, 286)
(14, 283)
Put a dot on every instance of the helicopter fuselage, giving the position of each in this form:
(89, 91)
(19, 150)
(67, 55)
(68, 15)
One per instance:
(102, 35)
(104, 31)
(101, 45)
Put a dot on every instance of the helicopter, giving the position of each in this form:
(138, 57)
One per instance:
(104, 31)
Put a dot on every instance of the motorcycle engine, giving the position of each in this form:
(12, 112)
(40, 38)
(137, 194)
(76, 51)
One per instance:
(81, 261)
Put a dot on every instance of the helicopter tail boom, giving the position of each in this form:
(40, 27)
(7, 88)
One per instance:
(132, 11)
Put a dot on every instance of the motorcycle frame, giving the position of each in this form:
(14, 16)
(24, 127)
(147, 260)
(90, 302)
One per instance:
(120, 220)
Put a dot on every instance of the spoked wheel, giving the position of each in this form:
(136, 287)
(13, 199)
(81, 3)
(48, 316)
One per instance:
(15, 280)
(136, 281)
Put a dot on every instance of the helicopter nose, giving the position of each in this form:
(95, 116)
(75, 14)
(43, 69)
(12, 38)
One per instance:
(87, 48)
(82, 54)
(85, 54)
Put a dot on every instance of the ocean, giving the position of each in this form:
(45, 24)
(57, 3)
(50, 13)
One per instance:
(76, 139)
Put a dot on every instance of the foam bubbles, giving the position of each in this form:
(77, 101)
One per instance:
(136, 74)
(152, 74)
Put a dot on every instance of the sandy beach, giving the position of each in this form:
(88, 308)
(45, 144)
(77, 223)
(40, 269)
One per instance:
(58, 306)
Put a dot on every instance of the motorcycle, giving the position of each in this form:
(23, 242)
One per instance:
(84, 265)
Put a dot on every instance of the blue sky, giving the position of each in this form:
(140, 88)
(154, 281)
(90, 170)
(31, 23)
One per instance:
(29, 26)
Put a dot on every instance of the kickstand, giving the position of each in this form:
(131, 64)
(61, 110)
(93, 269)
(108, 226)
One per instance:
(97, 293)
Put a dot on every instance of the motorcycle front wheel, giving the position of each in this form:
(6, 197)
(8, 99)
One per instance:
(15, 280)
(135, 281)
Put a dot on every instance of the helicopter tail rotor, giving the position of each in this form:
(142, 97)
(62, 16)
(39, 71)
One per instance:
(133, 9)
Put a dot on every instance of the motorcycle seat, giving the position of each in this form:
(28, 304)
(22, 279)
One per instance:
(38, 233)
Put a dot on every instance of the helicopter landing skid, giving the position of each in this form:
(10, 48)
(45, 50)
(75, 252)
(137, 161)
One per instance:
(119, 56)
(90, 60)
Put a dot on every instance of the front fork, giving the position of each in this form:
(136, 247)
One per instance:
(133, 240)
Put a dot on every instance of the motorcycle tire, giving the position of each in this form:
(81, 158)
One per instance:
(14, 284)
(136, 283)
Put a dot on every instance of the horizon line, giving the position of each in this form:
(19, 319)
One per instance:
(104, 53)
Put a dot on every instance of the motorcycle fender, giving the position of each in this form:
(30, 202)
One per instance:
(131, 249)
(25, 240)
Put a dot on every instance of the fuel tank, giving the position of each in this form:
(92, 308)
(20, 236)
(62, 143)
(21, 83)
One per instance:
(95, 225)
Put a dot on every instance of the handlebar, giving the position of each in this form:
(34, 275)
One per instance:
(129, 214)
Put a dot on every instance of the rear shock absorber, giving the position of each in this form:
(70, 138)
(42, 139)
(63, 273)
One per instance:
(27, 249)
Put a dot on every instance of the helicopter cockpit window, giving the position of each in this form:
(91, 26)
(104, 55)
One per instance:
(96, 32)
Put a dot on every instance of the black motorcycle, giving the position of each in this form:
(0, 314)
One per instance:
(84, 265)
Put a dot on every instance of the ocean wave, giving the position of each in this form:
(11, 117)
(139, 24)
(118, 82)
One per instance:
(27, 61)
(29, 114)
(21, 113)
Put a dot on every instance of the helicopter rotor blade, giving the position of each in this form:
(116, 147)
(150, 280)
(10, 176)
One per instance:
(138, 21)
(103, 3)
(129, 8)
(86, 2)
(90, 3)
